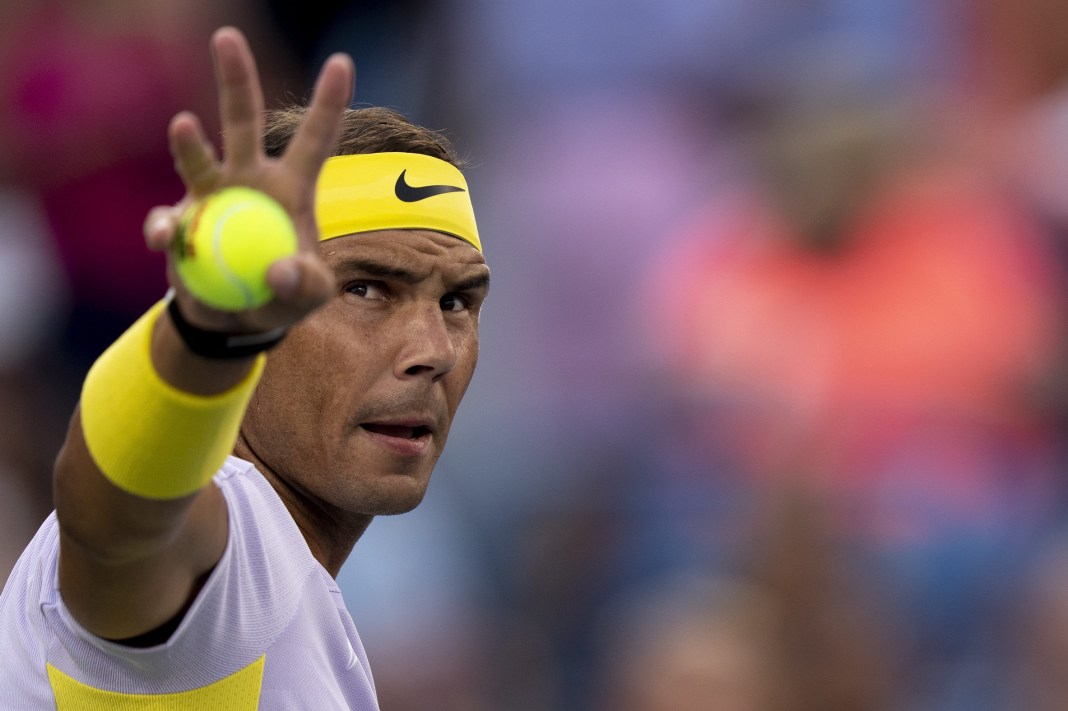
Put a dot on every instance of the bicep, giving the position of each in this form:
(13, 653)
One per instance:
(128, 564)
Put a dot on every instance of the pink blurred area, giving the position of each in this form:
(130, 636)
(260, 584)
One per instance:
(83, 131)
(945, 299)
(935, 325)
(88, 91)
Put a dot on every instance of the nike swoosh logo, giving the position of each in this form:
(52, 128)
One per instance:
(410, 193)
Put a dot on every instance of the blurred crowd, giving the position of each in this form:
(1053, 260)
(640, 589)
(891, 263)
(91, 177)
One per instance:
(772, 407)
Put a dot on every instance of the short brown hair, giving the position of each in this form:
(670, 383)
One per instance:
(364, 130)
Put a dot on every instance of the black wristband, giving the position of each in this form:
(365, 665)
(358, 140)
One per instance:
(221, 346)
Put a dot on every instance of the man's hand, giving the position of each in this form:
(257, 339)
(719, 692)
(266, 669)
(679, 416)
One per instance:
(303, 282)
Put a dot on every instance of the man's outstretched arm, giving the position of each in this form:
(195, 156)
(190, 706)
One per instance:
(135, 545)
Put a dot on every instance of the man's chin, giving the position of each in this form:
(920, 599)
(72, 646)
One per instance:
(396, 510)
(394, 497)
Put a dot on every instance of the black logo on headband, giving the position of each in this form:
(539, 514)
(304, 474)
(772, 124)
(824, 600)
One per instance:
(408, 193)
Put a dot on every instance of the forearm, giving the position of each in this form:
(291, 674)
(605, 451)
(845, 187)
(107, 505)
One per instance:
(132, 490)
(127, 564)
(148, 437)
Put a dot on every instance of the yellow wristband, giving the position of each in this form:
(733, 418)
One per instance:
(147, 437)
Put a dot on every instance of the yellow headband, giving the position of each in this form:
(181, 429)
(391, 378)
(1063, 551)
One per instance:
(387, 191)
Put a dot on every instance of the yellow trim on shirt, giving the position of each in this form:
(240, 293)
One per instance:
(238, 692)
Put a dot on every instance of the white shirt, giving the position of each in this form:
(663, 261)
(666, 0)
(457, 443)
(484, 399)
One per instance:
(268, 632)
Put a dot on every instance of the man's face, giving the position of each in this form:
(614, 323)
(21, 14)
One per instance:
(355, 405)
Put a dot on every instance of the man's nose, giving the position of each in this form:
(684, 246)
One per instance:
(427, 348)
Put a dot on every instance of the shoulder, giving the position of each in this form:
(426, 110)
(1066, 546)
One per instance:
(263, 534)
(24, 629)
(248, 601)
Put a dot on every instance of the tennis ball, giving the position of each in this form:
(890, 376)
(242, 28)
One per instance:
(225, 243)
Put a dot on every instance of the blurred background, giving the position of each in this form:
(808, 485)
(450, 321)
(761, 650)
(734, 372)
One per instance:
(772, 407)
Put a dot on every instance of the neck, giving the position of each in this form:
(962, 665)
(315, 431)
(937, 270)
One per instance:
(329, 532)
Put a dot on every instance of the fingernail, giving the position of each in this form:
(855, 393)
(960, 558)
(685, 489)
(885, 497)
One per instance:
(159, 229)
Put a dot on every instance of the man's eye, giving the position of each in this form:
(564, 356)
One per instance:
(366, 290)
(455, 302)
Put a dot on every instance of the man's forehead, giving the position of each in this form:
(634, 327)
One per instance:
(403, 250)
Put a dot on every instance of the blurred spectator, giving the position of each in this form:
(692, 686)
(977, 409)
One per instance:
(797, 627)
(1034, 640)
(30, 296)
(88, 91)
(1017, 93)
(866, 304)
(842, 637)
(873, 316)
(695, 644)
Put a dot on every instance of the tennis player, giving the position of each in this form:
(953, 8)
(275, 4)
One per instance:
(207, 495)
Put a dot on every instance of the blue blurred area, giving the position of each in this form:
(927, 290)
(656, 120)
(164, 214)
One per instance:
(771, 406)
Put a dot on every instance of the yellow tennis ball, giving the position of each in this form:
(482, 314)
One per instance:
(226, 242)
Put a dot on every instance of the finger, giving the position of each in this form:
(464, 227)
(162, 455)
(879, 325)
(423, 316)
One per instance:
(194, 155)
(300, 283)
(307, 229)
(160, 227)
(315, 140)
(240, 96)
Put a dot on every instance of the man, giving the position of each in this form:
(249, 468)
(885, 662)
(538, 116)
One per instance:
(174, 576)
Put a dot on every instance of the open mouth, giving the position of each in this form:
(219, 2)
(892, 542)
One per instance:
(398, 431)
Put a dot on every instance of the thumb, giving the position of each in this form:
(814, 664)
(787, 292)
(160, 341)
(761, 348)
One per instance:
(300, 283)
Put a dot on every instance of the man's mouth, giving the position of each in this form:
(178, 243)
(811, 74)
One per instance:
(398, 431)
